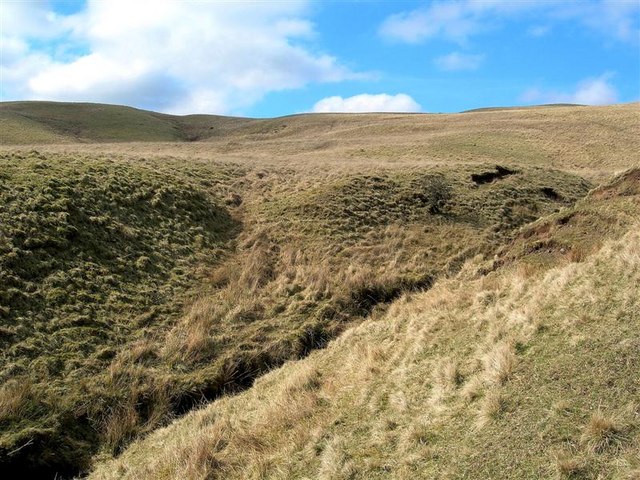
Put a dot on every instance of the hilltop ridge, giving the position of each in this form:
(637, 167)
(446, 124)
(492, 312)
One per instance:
(43, 122)
(63, 122)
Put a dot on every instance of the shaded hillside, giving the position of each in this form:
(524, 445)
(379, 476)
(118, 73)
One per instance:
(93, 251)
(519, 370)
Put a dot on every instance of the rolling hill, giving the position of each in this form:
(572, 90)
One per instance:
(60, 122)
(593, 141)
(319, 296)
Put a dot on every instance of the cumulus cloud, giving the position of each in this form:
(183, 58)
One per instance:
(368, 103)
(591, 91)
(32, 19)
(456, 61)
(180, 57)
(457, 20)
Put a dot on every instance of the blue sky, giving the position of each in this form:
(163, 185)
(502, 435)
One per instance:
(267, 59)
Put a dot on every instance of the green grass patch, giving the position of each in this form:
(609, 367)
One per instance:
(94, 252)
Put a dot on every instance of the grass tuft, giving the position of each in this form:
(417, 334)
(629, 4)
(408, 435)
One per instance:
(570, 467)
(602, 433)
(492, 406)
(499, 363)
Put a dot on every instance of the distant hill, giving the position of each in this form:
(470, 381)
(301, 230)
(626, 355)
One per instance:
(496, 109)
(59, 122)
(36, 122)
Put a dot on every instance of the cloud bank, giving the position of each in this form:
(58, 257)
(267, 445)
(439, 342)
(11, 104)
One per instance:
(591, 91)
(368, 103)
(178, 57)
(458, 20)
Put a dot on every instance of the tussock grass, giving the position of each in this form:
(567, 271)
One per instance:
(374, 413)
(499, 363)
(15, 398)
(312, 260)
(334, 464)
(602, 432)
(264, 247)
(95, 253)
(568, 466)
(491, 407)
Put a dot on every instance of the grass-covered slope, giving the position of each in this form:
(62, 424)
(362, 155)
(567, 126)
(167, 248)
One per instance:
(140, 280)
(19, 129)
(99, 253)
(81, 122)
(93, 252)
(516, 367)
(591, 140)
(59, 122)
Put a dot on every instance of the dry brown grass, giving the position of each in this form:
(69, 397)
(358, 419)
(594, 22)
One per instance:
(417, 438)
(334, 463)
(499, 363)
(569, 466)
(602, 432)
(120, 426)
(372, 389)
(294, 280)
(447, 375)
(492, 406)
(15, 396)
(363, 141)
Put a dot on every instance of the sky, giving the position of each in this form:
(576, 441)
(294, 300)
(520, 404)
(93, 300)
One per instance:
(266, 59)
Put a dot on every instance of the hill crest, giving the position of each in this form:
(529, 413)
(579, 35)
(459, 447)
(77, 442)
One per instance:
(47, 122)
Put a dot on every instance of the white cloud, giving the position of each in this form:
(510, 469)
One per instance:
(368, 103)
(179, 57)
(31, 19)
(450, 20)
(538, 30)
(19, 23)
(619, 19)
(457, 20)
(596, 91)
(591, 91)
(456, 61)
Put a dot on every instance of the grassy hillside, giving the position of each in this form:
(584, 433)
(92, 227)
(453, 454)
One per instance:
(141, 280)
(93, 253)
(58, 122)
(500, 371)
(591, 141)
(489, 109)
(99, 252)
